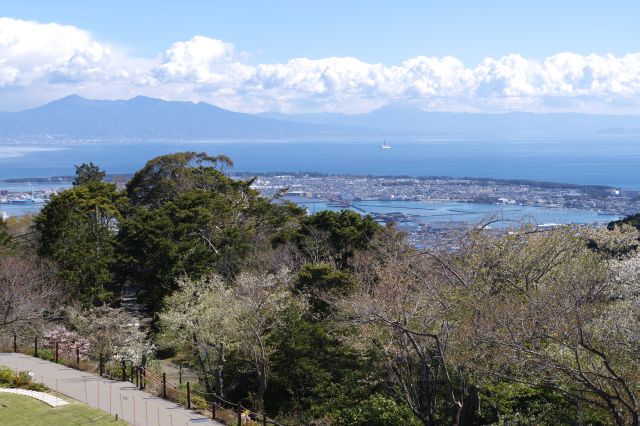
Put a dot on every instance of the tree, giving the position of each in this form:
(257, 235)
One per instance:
(633, 220)
(111, 332)
(321, 283)
(165, 177)
(213, 316)
(549, 311)
(29, 292)
(334, 236)
(376, 411)
(88, 173)
(189, 219)
(78, 230)
(5, 238)
(402, 313)
(195, 320)
(258, 307)
(196, 233)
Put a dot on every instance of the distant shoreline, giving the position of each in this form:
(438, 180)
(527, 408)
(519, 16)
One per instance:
(528, 182)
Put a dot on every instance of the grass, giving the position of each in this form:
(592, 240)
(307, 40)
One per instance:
(18, 410)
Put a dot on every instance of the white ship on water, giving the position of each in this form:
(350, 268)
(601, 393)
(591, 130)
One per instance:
(385, 145)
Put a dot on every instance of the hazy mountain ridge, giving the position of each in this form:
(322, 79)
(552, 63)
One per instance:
(403, 118)
(141, 117)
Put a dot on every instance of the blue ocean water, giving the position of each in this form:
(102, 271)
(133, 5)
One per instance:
(436, 212)
(591, 161)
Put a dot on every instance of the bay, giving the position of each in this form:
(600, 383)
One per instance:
(586, 161)
(442, 213)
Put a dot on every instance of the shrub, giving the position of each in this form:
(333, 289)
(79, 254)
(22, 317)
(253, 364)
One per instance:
(376, 411)
(45, 354)
(22, 380)
(6, 375)
(37, 387)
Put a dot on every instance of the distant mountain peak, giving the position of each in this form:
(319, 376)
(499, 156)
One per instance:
(70, 99)
(140, 99)
(143, 117)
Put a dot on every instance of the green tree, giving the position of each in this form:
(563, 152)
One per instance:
(5, 237)
(377, 411)
(190, 219)
(166, 176)
(334, 237)
(320, 282)
(633, 220)
(522, 404)
(87, 173)
(313, 373)
(77, 230)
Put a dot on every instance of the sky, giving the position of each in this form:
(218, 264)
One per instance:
(329, 56)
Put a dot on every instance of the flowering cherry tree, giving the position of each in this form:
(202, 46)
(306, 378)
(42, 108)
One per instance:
(68, 342)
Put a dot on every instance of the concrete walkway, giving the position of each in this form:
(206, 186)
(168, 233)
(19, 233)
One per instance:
(122, 398)
(47, 398)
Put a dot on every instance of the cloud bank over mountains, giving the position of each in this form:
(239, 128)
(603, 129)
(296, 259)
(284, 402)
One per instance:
(40, 62)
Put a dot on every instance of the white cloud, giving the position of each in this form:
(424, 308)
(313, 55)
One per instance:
(30, 51)
(201, 60)
(48, 60)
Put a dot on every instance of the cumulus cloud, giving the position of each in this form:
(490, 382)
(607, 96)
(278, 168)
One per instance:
(30, 51)
(52, 58)
(201, 60)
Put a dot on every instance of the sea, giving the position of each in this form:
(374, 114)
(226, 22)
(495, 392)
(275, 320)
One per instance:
(595, 161)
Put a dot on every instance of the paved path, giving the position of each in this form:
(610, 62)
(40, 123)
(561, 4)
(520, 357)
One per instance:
(122, 398)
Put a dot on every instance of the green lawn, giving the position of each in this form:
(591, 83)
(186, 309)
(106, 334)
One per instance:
(18, 410)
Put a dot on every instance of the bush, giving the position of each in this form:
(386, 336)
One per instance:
(521, 404)
(37, 387)
(378, 410)
(9, 378)
(22, 380)
(6, 375)
(45, 354)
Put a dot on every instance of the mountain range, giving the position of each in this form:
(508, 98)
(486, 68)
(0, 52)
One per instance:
(402, 119)
(147, 118)
(74, 117)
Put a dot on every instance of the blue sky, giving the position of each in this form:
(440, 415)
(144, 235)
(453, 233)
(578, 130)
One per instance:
(374, 31)
(139, 37)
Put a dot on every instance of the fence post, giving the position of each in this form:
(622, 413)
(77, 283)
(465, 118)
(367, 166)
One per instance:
(144, 378)
(78, 357)
(180, 375)
(15, 342)
(56, 358)
(101, 365)
(137, 377)
(264, 419)
(164, 385)
(188, 395)
(131, 371)
(35, 352)
(239, 415)
(123, 364)
(213, 408)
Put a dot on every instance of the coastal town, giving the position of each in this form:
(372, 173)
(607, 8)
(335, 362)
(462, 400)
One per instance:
(346, 189)
(431, 210)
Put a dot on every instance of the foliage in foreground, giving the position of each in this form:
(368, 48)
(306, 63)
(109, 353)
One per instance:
(332, 319)
(11, 379)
